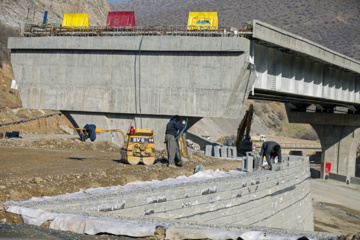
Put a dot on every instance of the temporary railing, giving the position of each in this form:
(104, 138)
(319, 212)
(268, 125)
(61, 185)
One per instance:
(203, 31)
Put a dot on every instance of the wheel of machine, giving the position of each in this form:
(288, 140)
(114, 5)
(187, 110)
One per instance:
(82, 136)
(133, 160)
(148, 160)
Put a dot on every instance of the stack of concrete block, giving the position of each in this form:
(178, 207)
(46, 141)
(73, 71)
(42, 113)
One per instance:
(221, 151)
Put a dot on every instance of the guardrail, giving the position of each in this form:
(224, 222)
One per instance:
(53, 30)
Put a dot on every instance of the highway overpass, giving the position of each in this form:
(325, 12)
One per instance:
(142, 78)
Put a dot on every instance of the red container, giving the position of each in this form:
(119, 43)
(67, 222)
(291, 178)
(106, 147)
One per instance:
(327, 167)
(121, 19)
(131, 131)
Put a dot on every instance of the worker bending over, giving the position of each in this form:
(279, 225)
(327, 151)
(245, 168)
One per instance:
(172, 129)
(270, 150)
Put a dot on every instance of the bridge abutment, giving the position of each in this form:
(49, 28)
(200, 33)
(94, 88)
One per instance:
(339, 136)
(112, 81)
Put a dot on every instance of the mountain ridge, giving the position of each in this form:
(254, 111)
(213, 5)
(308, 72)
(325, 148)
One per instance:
(334, 24)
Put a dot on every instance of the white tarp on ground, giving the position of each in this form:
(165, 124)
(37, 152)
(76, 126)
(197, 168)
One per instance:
(82, 224)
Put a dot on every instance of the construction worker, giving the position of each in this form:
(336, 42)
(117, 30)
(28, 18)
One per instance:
(270, 150)
(172, 129)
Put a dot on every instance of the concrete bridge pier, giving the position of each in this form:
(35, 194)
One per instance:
(339, 136)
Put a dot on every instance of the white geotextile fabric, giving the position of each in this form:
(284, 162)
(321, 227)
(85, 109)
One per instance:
(32, 216)
(179, 233)
(92, 226)
(83, 225)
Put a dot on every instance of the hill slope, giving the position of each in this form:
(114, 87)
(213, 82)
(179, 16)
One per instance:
(332, 23)
(19, 12)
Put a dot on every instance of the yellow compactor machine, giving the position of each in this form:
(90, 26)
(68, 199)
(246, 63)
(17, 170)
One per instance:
(139, 144)
(139, 147)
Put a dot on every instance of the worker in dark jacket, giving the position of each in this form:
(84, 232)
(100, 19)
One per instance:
(270, 150)
(172, 129)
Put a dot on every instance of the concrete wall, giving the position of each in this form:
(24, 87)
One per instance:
(109, 81)
(278, 199)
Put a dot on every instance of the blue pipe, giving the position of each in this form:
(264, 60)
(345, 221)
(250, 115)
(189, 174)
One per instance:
(182, 131)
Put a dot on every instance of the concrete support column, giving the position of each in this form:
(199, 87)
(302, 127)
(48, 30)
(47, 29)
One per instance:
(339, 136)
(338, 145)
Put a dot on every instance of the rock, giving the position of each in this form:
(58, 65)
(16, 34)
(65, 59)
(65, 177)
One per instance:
(2, 187)
(184, 159)
(67, 129)
(38, 180)
(199, 168)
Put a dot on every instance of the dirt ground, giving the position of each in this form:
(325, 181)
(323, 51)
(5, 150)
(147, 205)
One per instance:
(48, 167)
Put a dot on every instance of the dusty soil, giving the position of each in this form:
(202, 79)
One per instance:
(47, 167)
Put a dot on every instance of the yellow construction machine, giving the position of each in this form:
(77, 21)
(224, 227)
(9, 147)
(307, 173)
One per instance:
(138, 146)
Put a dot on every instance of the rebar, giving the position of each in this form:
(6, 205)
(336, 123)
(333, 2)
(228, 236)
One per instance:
(45, 30)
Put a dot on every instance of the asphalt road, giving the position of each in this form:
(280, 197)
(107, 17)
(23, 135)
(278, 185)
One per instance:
(335, 192)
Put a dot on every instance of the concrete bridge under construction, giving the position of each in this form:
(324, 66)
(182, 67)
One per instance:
(122, 79)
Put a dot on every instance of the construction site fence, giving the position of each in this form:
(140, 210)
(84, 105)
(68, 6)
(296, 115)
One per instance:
(203, 31)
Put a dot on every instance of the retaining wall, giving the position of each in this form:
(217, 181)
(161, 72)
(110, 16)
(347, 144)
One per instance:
(274, 199)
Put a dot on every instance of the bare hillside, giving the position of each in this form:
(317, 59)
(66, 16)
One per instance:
(16, 13)
(332, 23)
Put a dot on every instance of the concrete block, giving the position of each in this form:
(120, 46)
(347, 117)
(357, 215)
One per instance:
(355, 180)
(338, 177)
(217, 151)
(232, 152)
(223, 151)
(314, 173)
(208, 150)
(256, 157)
(276, 167)
(296, 153)
(248, 164)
